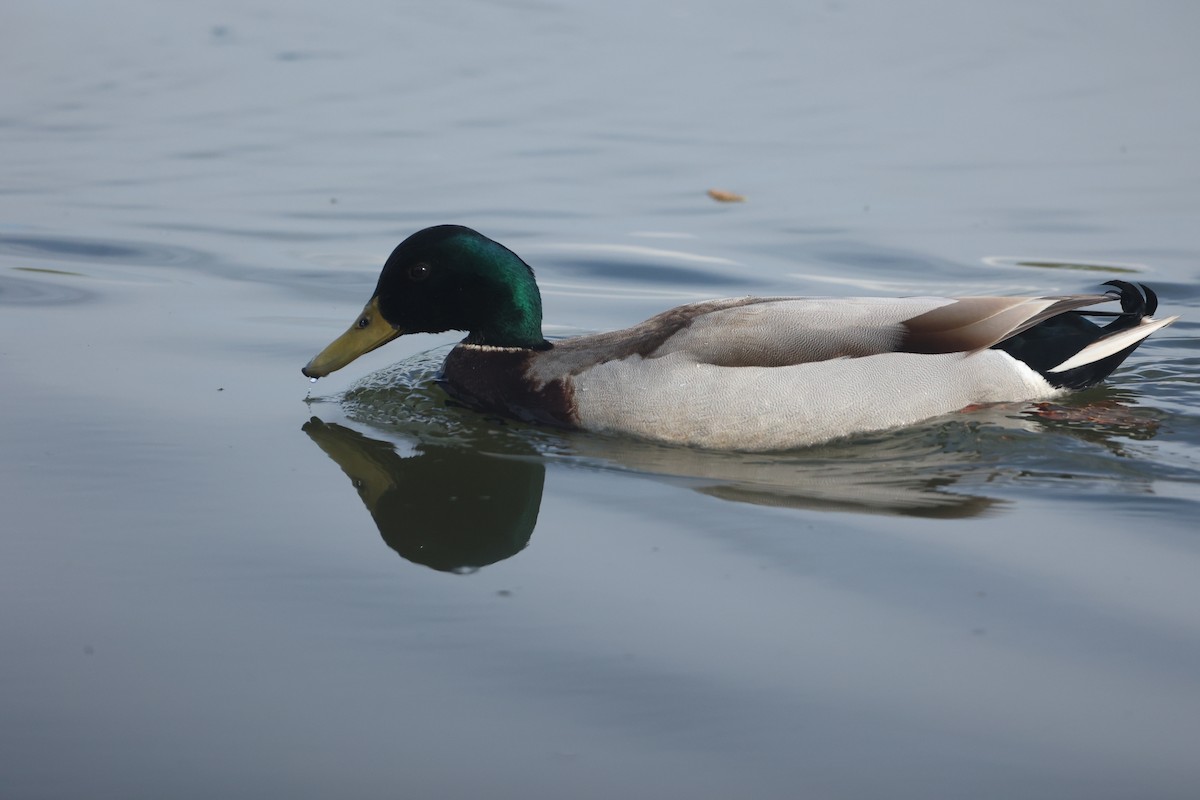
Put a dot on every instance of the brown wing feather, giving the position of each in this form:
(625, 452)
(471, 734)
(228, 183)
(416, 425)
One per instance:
(976, 323)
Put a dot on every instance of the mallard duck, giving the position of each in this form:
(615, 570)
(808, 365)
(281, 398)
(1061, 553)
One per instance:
(745, 373)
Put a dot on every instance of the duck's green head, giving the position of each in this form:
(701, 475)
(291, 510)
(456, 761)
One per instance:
(444, 278)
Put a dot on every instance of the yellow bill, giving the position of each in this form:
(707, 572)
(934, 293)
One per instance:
(370, 331)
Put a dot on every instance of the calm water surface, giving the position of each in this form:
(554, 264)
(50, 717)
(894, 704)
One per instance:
(218, 580)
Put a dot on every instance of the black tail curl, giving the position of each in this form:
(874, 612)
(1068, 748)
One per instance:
(1052, 342)
(1140, 304)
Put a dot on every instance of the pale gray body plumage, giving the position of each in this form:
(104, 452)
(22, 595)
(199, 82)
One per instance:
(776, 373)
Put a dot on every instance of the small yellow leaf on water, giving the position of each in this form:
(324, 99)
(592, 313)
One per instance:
(722, 196)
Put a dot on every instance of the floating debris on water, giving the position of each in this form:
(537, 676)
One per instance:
(723, 196)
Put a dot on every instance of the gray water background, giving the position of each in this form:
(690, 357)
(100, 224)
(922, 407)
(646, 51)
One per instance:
(199, 598)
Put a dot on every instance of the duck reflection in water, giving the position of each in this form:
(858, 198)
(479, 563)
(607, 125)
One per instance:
(454, 508)
(450, 508)
(457, 509)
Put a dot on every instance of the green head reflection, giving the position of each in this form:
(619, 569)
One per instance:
(450, 508)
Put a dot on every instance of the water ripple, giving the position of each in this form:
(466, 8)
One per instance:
(22, 292)
(101, 251)
(1057, 263)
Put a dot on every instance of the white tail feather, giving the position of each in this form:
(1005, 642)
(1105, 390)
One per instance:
(1109, 345)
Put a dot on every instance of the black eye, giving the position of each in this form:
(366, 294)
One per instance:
(418, 272)
(364, 322)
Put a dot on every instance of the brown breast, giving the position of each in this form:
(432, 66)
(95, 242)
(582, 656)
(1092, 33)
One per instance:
(497, 379)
